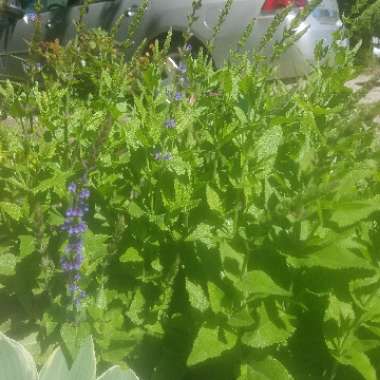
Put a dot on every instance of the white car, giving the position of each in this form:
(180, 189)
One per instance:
(58, 15)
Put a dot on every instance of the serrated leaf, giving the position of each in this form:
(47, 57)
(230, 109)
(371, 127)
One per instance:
(215, 295)
(359, 361)
(267, 147)
(11, 209)
(232, 260)
(56, 367)
(210, 343)
(131, 255)
(197, 297)
(241, 115)
(266, 369)
(241, 319)
(73, 336)
(336, 255)
(137, 308)
(338, 318)
(213, 200)
(204, 234)
(26, 245)
(348, 213)
(135, 210)
(84, 367)
(338, 311)
(257, 284)
(57, 182)
(267, 333)
(7, 264)
(101, 299)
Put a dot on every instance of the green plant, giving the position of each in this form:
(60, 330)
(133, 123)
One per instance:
(18, 364)
(233, 230)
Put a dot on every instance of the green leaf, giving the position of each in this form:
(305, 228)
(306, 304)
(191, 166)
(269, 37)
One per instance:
(73, 336)
(57, 183)
(13, 210)
(338, 318)
(241, 115)
(213, 200)
(268, 333)
(197, 297)
(204, 234)
(348, 213)
(116, 373)
(216, 296)
(5, 326)
(101, 299)
(338, 311)
(16, 363)
(7, 264)
(26, 245)
(31, 343)
(210, 343)
(241, 319)
(131, 255)
(56, 367)
(258, 284)
(233, 257)
(84, 367)
(266, 369)
(137, 308)
(135, 210)
(336, 255)
(359, 360)
(267, 147)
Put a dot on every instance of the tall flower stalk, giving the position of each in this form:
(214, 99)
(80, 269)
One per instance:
(75, 226)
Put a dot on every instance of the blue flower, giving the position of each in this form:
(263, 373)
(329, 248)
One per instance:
(182, 68)
(178, 96)
(158, 156)
(74, 226)
(72, 187)
(170, 123)
(84, 194)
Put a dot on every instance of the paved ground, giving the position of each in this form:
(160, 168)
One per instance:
(369, 84)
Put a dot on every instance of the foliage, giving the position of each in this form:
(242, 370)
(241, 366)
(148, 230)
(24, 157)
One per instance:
(17, 363)
(362, 19)
(233, 224)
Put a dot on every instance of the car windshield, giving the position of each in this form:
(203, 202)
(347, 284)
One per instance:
(28, 5)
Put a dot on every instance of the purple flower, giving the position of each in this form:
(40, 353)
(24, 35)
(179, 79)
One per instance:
(170, 123)
(84, 194)
(182, 68)
(167, 157)
(72, 187)
(158, 156)
(178, 96)
(74, 226)
(188, 48)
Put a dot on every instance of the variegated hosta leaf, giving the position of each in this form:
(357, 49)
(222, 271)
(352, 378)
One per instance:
(56, 367)
(16, 363)
(116, 373)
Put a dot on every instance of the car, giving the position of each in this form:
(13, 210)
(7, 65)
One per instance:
(57, 16)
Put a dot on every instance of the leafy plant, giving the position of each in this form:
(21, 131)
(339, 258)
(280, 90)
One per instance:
(233, 219)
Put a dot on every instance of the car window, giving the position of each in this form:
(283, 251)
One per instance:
(30, 5)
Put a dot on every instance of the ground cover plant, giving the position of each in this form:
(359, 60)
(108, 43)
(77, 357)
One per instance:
(224, 225)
